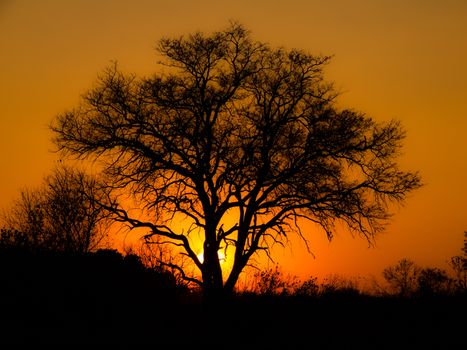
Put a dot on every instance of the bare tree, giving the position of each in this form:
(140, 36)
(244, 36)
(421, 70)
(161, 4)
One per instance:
(403, 277)
(457, 264)
(62, 215)
(236, 129)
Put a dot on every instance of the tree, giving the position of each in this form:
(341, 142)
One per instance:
(458, 264)
(62, 215)
(403, 277)
(433, 281)
(235, 129)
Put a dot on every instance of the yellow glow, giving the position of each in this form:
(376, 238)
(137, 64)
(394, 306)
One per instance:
(220, 254)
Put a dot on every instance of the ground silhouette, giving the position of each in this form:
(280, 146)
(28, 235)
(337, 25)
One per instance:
(107, 298)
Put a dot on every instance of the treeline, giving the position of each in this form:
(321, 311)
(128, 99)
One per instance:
(405, 279)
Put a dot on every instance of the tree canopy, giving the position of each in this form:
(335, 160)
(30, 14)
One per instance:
(233, 128)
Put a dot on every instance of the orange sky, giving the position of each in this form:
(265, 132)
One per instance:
(392, 59)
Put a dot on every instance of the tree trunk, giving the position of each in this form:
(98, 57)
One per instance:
(213, 284)
(232, 280)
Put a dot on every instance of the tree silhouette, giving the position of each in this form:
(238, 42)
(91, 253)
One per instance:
(403, 277)
(458, 264)
(433, 281)
(235, 131)
(62, 215)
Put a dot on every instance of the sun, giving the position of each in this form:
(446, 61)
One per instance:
(220, 254)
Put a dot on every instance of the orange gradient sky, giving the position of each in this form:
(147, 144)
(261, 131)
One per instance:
(403, 59)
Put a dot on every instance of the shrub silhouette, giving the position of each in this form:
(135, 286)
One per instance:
(273, 281)
(336, 285)
(308, 288)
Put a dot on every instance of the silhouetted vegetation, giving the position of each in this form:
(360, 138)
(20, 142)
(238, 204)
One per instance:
(459, 266)
(406, 279)
(104, 297)
(235, 128)
(402, 277)
(62, 215)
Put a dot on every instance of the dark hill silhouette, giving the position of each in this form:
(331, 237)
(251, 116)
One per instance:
(43, 290)
(107, 298)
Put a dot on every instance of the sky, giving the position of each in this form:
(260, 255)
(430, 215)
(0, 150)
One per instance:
(397, 59)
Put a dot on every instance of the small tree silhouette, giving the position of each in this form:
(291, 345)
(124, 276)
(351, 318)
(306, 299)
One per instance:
(458, 265)
(402, 277)
(460, 273)
(433, 281)
(62, 215)
(465, 250)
